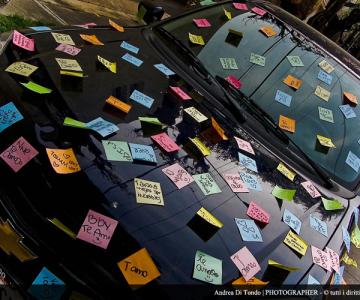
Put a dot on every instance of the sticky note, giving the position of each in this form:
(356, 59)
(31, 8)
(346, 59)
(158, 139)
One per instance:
(293, 221)
(207, 184)
(199, 145)
(69, 64)
(139, 268)
(165, 142)
(240, 6)
(251, 181)
(207, 268)
(36, 88)
(202, 23)
(68, 49)
(356, 215)
(234, 81)
(218, 129)
(351, 98)
(296, 243)
(312, 281)
(286, 171)
(113, 101)
(74, 123)
(178, 175)
(46, 285)
(111, 66)
(331, 204)
(348, 260)
(21, 68)
(244, 145)
(257, 213)
(208, 217)
(40, 28)
(142, 98)
(346, 238)
(148, 192)
(268, 31)
(283, 194)
(227, 14)
(311, 189)
(196, 39)
(117, 151)
(248, 230)
(63, 38)
(116, 26)
(142, 153)
(287, 124)
(152, 121)
(355, 236)
(295, 61)
(164, 69)
(195, 114)
(18, 154)
(353, 161)
(235, 183)
(328, 68)
(22, 41)
(129, 47)
(321, 258)
(324, 77)
(325, 141)
(228, 63)
(252, 281)
(258, 11)
(102, 127)
(63, 161)
(177, 91)
(62, 227)
(72, 74)
(206, 2)
(338, 277)
(322, 93)
(326, 114)
(280, 266)
(347, 111)
(283, 98)
(257, 59)
(132, 59)
(92, 39)
(292, 82)
(9, 115)
(246, 263)
(247, 162)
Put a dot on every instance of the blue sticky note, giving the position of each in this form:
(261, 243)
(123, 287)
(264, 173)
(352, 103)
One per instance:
(247, 162)
(132, 59)
(353, 161)
(347, 111)
(103, 127)
(40, 28)
(346, 238)
(325, 77)
(251, 181)
(164, 69)
(248, 230)
(142, 153)
(338, 276)
(9, 115)
(141, 98)
(312, 281)
(283, 98)
(293, 221)
(356, 215)
(318, 225)
(129, 47)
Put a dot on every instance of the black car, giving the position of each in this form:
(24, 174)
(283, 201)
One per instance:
(243, 119)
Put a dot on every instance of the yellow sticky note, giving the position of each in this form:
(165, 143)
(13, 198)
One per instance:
(196, 39)
(355, 237)
(124, 107)
(218, 129)
(21, 68)
(63, 161)
(268, 31)
(111, 66)
(195, 114)
(227, 14)
(139, 268)
(251, 281)
(280, 266)
(292, 82)
(116, 26)
(287, 123)
(348, 260)
(92, 39)
(71, 73)
(199, 145)
(350, 97)
(148, 192)
(69, 64)
(296, 243)
(324, 141)
(286, 171)
(63, 227)
(63, 38)
(322, 93)
(328, 68)
(208, 217)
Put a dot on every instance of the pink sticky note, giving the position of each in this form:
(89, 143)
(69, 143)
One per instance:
(22, 41)
(165, 142)
(311, 189)
(178, 175)
(257, 213)
(258, 11)
(234, 81)
(68, 49)
(179, 93)
(235, 183)
(18, 154)
(241, 6)
(244, 145)
(202, 23)
(334, 259)
(97, 229)
(246, 263)
(321, 258)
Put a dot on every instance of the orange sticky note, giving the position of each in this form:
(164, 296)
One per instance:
(293, 82)
(118, 104)
(92, 39)
(139, 268)
(63, 161)
(251, 281)
(287, 124)
(350, 97)
(116, 26)
(218, 129)
(268, 31)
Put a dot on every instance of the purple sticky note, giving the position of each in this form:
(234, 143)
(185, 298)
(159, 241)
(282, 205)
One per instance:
(68, 49)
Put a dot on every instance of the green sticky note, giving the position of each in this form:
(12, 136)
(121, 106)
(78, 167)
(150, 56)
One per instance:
(207, 268)
(326, 114)
(207, 184)
(283, 194)
(257, 59)
(117, 151)
(295, 61)
(152, 121)
(74, 123)
(206, 2)
(228, 63)
(331, 204)
(32, 86)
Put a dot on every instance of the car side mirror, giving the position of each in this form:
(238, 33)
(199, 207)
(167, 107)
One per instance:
(150, 12)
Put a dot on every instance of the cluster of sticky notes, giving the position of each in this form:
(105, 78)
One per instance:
(148, 192)
(178, 175)
(63, 161)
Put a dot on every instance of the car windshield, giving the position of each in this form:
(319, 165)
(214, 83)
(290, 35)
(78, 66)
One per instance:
(296, 83)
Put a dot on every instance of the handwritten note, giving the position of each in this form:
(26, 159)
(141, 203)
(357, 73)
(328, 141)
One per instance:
(164, 69)
(258, 11)
(196, 39)
(235, 183)
(334, 259)
(296, 243)
(36, 88)
(178, 175)
(247, 162)
(132, 59)
(322, 93)
(248, 230)
(227, 14)
(325, 141)
(111, 66)
(139, 268)
(22, 41)
(353, 161)
(152, 121)
(199, 145)
(148, 192)
(348, 260)
(63, 38)
(129, 47)
(283, 194)
(346, 238)
(207, 268)
(347, 111)
(113, 101)
(116, 26)
(18, 154)
(142, 153)
(324, 77)
(283, 98)
(240, 6)
(228, 63)
(9, 115)
(351, 98)
(234, 81)
(21, 68)
(202, 23)
(293, 221)
(328, 68)
(92, 39)
(195, 114)
(69, 64)
(244, 145)
(326, 114)
(142, 98)
(331, 204)
(257, 213)
(208, 217)
(292, 82)
(207, 184)
(321, 258)
(63, 161)
(117, 151)
(286, 171)
(165, 142)
(46, 285)
(287, 124)
(311, 189)
(251, 181)
(257, 59)
(295, 61)
(218, 129)
(268, 31)
(246, 263)
(68, 49)
(178, 92)
(102, 127)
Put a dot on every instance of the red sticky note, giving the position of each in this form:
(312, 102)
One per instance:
(246, 263)
(165, 142)
(258, 11)
(257, 213)
(201, 23)
(23, 42)
(97, 229)
(241, 6)
(234, 81)
(179, 93)
(18, 154)
(235, 183)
